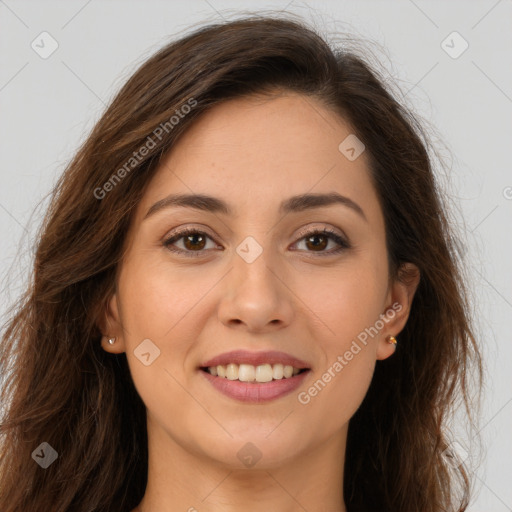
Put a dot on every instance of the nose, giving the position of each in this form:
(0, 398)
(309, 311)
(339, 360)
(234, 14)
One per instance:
(255, 295)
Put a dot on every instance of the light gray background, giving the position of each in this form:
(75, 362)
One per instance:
(49, 105)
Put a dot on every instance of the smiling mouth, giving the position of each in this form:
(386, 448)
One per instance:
(254, 374)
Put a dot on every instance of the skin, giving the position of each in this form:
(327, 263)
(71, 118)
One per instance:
(253, 153)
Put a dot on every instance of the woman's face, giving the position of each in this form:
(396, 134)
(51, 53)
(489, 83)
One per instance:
(252, 276)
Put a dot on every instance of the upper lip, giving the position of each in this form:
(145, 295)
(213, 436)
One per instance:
(256, 359)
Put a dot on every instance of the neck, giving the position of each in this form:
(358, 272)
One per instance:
(181, 481)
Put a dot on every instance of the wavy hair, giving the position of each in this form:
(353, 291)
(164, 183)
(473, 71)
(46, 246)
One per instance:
(62, 388)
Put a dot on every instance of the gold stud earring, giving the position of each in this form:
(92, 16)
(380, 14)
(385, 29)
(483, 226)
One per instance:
(391, 339)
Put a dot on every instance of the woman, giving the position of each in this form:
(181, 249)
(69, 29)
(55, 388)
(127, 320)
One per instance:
(244, 296)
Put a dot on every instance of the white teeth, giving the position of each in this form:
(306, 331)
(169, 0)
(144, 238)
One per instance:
(251, 373)
(231, 371)
(277, 371)
(246, 373)
(263, 373)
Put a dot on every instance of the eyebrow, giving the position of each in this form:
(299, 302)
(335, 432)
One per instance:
(293, 204)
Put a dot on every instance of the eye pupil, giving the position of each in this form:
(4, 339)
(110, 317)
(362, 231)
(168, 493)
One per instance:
(316, 245)
(191, 237)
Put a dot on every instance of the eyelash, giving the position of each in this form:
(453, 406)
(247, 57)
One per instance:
(344, 244)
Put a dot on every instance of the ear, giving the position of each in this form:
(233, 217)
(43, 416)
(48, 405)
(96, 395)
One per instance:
(398, 306)
(111, 327)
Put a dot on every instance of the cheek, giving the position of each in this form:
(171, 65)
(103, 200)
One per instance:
(336, 392)
(159, 304)
(344, 300)
(348, 303)
(158, 298)
(341, 381)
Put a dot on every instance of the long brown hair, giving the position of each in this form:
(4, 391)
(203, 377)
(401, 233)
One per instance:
(63, 389)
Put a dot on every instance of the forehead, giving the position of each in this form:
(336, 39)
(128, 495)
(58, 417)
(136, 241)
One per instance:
(262, 148)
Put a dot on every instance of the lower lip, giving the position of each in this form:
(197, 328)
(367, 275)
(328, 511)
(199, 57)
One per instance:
(255, 392)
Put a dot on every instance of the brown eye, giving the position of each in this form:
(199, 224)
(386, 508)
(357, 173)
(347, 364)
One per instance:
(317, 241)
(194, 242)
(313, 242)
